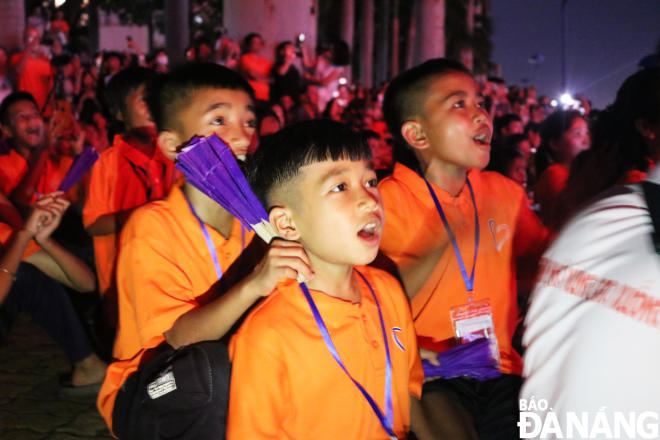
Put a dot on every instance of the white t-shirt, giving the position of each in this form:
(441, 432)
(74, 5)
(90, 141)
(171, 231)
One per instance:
(593, 326)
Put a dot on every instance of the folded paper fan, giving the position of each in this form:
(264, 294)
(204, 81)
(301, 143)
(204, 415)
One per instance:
(209, 166)
(473, 359)
(80, 166)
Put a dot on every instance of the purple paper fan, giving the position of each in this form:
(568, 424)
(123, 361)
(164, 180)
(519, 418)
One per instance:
(80, 166)
(209, 165)
(473, 359)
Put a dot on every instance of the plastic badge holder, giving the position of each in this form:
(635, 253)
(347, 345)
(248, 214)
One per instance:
(474, 320)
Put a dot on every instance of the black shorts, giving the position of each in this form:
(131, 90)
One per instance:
(493, 404)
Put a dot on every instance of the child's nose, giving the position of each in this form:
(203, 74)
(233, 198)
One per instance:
(368, 199)
(240, 137)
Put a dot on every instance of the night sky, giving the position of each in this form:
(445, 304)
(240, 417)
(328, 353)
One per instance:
(606, 39)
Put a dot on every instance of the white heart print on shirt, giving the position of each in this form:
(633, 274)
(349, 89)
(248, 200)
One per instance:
(501, 233)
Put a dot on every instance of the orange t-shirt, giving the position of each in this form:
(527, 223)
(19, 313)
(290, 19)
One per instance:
(13, 168)
(36, 78)
(164, 270)
(123, 178)
(286, 384)
(261, 65)
(6, 235)
(413, 229)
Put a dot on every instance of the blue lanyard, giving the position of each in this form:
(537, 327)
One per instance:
(469, 281)
(209, 242)
(388, 423)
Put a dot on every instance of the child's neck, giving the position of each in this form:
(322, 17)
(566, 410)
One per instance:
(208, 210)
(334, 280)
(446, 176)
(142, 139)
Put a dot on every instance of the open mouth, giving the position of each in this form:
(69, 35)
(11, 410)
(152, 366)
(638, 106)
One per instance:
(482, 139)
(368, 231)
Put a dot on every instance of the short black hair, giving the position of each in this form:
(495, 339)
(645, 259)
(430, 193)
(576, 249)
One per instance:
(533, 127)
(281, 155)
(502, 158)
(506, 120)
(404, 96)
(171, 92)
(10, 100)
(123, 84)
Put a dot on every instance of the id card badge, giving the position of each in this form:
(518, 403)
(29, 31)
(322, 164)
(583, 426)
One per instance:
(474, 321)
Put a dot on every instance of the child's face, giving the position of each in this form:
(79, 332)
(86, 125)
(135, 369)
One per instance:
(518, 171)
(227, 113)
(27, 125)
(339, 216)
(137, 113)
(574, 140)
(454, 123)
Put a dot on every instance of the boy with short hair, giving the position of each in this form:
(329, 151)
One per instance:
(29, 164)
(316, 181)
(177, 257)
(437, 109)
(130, 174)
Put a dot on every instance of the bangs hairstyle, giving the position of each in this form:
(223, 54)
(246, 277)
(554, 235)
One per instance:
(11, 99)
(404, 96)
(281, 155)
(123, 84)
(170, 93)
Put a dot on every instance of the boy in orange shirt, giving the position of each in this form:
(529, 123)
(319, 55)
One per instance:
(316, 181)
(29, 161)
(177, 257)
(453, 234)
(130, 174)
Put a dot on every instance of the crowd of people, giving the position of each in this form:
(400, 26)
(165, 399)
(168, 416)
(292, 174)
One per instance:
(455, 186)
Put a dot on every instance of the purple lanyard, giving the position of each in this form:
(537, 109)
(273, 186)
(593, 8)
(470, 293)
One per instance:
(386, 422)
(469, 281)
(209, 241)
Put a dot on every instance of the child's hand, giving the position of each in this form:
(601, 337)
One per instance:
(284, 259)
(432, 357)
(45, 216)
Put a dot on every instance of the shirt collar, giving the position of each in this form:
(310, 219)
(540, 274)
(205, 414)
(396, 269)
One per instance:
(417, 185)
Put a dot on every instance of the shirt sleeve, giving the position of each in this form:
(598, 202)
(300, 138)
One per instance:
(150, 278)
(259, 388)
(99, 199)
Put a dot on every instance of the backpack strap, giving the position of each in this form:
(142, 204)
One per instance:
(652, 196)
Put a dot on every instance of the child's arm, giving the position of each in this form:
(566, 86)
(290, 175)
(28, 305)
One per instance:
(9, 214)
(108, 224)
(11, 259)
(283, 260)
(53, 259)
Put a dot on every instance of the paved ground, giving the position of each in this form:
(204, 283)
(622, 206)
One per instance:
(30, 364)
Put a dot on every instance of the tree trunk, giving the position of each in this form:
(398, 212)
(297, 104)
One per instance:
(394, 67)
(432, 29)
(412, 35)
(177, 31)
(13, 24)
(382, 43)
(367, 43)
(347, 30)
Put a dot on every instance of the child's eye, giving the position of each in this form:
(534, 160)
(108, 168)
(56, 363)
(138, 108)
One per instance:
(481, 104)
(339, 188)
(372, 183)
(460, 103)
(218, 121)
(252, 123)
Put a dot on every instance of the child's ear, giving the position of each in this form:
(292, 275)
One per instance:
(282, 221)
(168, 142)
(647, 130)
(413, 133)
